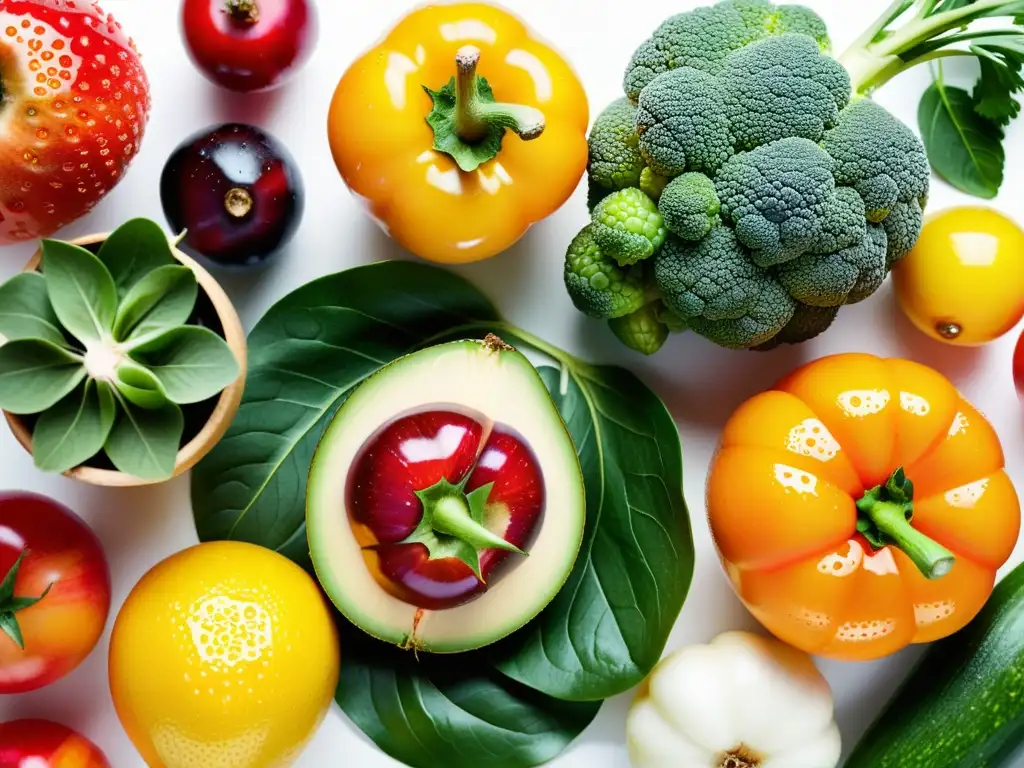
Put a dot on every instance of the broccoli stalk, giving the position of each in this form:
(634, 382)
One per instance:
(932, 30)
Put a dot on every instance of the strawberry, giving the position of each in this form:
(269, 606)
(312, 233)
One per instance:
(75, 100)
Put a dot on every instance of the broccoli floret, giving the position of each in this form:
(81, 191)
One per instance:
(597, 285)
(682, 123)
(806, 323)
(783, 202)
(719, 292)
(653, 184)
(615, 159)
(641, 331)
(782, 87)
(903, 227)
(627, 226)
(702, 38)
(842, 277)
(690, 206)
(878, 156)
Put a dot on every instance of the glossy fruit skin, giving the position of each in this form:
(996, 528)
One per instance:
(237, 191)
(382, 144)
(75, 106)
(187, 699)
(63, 628)
(44, 744)
(249, 56)
(1018, 366)
(964, 281)
(781, 495)
(412, 454)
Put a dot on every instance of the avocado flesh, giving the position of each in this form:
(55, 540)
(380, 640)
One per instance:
(505, 387)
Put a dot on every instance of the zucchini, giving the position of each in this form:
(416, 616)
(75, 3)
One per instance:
(963, 704)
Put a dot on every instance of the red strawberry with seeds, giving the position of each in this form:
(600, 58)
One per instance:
(74, 110)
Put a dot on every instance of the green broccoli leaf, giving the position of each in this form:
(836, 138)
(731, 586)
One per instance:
(964, 148)
(1001, 59)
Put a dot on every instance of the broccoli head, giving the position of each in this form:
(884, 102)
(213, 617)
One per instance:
(703, 38)
(615, 160)
(755, 195)
(642, 331)
(690, 206)
(597, 285)
(627, 226)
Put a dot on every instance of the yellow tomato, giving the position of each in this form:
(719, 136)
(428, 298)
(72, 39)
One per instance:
(964, 281)
(224, 656)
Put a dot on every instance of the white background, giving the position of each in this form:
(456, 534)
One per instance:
(701, 384)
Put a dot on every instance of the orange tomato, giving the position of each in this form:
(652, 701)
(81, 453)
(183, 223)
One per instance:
(806, 479)
(385, 150)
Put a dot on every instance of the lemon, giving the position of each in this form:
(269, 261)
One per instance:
(224, 655)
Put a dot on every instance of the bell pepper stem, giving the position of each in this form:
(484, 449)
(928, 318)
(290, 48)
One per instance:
(475, 117)
(931, 558)
(451, 516)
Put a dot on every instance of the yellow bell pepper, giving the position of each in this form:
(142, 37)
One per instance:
(418, 128)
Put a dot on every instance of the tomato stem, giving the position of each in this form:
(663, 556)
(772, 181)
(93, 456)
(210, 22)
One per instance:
(885, 515)
(243, 11)
(10, 605)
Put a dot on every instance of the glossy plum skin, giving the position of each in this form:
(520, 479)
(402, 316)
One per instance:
(44, 744)
(63, 628)
(412, 454)
(237, 191)
(246, 55)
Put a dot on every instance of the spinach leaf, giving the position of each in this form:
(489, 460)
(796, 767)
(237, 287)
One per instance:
(607, 628)
(452, 711)
(305, 356)
(964, 148)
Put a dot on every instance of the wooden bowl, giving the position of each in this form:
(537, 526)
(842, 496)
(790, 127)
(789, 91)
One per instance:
(227, 403)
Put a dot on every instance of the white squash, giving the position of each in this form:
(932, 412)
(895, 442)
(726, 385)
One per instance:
(744, 701)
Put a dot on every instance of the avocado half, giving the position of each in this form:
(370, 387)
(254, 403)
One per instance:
(445, 506)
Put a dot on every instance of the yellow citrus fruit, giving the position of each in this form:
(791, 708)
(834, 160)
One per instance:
(224, 655)
(964, 281)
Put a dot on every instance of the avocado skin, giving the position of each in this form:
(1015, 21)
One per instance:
(963, 704)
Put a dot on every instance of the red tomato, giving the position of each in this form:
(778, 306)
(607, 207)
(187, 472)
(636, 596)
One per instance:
(249, 45)
(1018, 365)
(75, 105)
(42, 744)
(62, 628)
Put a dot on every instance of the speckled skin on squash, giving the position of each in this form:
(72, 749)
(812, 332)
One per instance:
(963, 705)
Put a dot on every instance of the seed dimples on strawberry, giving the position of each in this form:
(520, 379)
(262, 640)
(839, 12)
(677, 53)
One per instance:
(75, 105)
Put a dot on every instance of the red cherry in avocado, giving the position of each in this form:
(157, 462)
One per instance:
(249, 45)
(440, 502)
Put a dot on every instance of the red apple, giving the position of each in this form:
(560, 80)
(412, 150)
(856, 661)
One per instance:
(442, 452)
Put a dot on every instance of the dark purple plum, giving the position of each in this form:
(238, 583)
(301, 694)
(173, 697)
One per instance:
(238, 193)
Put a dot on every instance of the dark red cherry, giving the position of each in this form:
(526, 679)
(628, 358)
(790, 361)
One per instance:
(238, 193)
(249, 45)
(416, 453)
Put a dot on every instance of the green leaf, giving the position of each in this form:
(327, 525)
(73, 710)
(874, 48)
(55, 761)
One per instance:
(145, 443)
(306, 355)
(9, 626)
(608, 627)
(1001, 59)
(161, 300)
(964, 148)
(81, 290)
(36, 375)
(7, 585)
(140, 386)
(10, 605)
(133, 250)
(75, 429)
(456, 711)
(25, 311)
(191, 363)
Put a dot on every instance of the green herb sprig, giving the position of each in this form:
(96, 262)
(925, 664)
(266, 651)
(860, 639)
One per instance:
(101, 349)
